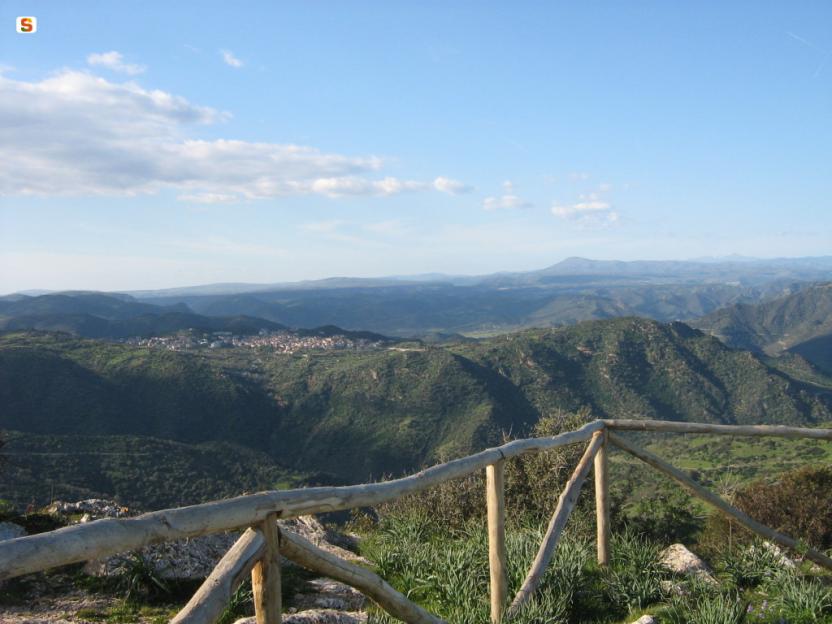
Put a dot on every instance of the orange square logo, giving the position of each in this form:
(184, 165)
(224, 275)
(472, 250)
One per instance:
(27, 25)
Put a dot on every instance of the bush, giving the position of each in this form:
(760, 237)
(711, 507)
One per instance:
(706, 609)
(666, 517)
(449, 576)
(750, 565)
(634, 577)
(798, 504)
(140, 581)
(533, 483)
(802, 600)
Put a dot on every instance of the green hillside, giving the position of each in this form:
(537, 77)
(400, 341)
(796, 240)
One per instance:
(799, 323)
(363, 414)
(145, 473)
(636, 368)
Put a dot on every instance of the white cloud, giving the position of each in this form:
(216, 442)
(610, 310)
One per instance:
(74, 133)
(452, 187)
(579, 176)
(231, 60)
(508, 200)
(592, 209)
(114, 61)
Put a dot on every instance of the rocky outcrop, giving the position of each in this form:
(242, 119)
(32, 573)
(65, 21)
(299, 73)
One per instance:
(317, 616)
(195, 558)
(338, 544)
(680, 560)
(93, 508)
(777, 554)
(189, 559)
(324, 593)
(10, 530)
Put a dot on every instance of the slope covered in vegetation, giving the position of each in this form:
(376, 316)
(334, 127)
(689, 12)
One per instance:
(800, 323)
(363, 414)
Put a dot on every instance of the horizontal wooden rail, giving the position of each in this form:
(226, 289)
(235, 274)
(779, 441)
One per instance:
(103, 538)
(670, 426)
(717, 502)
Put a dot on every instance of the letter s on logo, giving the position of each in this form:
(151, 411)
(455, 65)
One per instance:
(26, 24)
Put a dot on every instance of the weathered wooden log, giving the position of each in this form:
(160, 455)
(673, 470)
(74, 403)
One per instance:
(670, 426)
(497, 560)
(602, 503)
(566, 502)
(715, 501)
(265, 576)
(211, 599)
(102, 538)
(309, 556)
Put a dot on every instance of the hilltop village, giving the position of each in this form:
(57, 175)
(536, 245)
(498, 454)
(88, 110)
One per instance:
(277, 341)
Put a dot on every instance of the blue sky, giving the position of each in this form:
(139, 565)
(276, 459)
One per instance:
(152, 144)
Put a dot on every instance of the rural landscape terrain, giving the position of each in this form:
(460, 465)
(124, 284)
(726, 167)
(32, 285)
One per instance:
(466, 312)
(166, 399)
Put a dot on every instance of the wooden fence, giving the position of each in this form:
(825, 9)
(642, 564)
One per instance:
(258, 551)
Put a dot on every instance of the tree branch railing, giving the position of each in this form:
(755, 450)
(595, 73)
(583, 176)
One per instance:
(258, 551)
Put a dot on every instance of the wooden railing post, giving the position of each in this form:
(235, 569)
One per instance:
(495, 496)
(602, 503)
(265, 576)
(566, 501)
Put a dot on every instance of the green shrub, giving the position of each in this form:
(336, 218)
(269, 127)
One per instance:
(802, 600)
(533, 483)
(449, 575)
(241, 604)
(634, 577)
(706, 609)
(798, 504)
(140, 581)
(666, 517)
(748, 566)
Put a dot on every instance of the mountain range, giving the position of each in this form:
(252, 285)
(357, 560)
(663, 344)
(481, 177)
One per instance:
(424, 306)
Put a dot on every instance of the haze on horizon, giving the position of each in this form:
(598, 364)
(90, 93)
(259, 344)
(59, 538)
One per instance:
(304, 141)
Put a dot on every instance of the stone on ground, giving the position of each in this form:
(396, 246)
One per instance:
(317, 616)
(10, 530)
(680, 560)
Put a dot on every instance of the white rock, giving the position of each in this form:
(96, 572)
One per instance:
(680, 560)
(188, 559)
(317, 616)
(10, 530)
(645, 619)
(327, 594)
(195, 558)
(95, 507)
(779, 555)
(338, 544)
